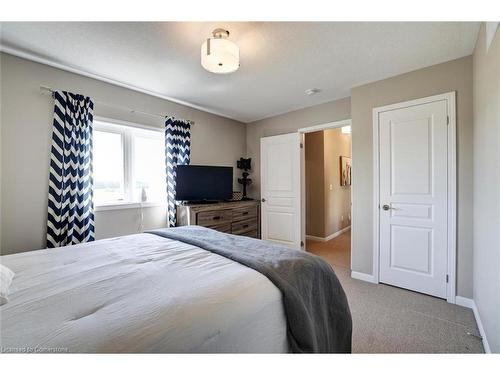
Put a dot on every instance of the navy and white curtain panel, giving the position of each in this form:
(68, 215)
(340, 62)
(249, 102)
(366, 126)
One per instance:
(70, 209)
(177, 152)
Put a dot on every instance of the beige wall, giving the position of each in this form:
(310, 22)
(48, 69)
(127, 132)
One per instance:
(487, 186)
(337, 198)
(26, 118)
(454, 75)
(328, 205)
(315, 184)
(288, 123)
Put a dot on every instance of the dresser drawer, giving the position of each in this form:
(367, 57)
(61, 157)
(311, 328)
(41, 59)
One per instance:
(243, 213)
(223, 227)
(244, 226)
(209, 218)
(252, 233)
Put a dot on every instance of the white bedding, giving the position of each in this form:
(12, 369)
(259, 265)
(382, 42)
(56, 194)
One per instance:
(141, 294)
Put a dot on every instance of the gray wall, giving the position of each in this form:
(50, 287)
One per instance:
(288, 123)
(26, 118)
(487, 186)
(454, 75)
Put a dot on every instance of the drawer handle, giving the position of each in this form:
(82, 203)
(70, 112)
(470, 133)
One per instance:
(245, 226)
(216, 218)
(244, 213)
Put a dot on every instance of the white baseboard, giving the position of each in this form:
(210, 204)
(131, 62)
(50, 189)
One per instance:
(315, 238)
(363, 276)
(471, 304)
(464, 301)
(338, 233)
(329, 237)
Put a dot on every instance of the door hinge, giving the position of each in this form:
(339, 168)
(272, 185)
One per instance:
(447, 279)
(447, 120)
(301, 243)
(301, 145)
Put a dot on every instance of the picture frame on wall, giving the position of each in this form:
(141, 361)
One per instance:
(345, 170)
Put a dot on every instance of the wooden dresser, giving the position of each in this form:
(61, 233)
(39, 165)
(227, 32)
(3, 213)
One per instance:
(242, 217)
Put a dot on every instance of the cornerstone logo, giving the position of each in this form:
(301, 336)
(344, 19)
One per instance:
(30, 349)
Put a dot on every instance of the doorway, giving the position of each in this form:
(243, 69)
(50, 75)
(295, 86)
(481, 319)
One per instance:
(326, 191)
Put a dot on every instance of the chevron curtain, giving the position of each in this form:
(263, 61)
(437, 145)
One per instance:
(177, 152)
(70, 217)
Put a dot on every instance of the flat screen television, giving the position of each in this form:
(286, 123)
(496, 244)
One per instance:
(203, 183)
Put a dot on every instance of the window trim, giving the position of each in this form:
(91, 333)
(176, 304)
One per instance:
(126, 206)
(105, 124)
(115, 122)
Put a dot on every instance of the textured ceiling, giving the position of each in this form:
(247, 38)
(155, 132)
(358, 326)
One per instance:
(279, 60)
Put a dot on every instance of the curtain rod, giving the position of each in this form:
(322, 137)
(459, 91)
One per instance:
(45, 89)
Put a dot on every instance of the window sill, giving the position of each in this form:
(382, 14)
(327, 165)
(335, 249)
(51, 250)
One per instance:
(126, 206)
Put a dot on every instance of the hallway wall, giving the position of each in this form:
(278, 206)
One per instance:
(337, 198)
(328, 205)
(315, 184)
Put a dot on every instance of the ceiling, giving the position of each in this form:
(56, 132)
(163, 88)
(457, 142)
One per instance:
(279, 60)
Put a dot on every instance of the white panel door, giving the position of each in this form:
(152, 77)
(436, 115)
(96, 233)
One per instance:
(413, 197)
(280, 189)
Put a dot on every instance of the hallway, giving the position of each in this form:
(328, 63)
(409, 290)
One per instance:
(336, 251)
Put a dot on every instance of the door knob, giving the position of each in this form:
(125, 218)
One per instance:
(386, 207)
(263, 199)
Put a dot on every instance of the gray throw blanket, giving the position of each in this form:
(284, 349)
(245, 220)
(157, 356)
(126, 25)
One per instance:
(316, 308)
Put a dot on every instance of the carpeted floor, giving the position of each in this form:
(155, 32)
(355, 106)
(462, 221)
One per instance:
(387, 319)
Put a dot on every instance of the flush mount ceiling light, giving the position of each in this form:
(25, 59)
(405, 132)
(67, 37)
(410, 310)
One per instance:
(219, 54)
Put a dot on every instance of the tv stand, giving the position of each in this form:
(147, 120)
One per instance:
(236, 217)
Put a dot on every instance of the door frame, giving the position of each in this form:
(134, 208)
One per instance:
(302, 132)
(450, 99)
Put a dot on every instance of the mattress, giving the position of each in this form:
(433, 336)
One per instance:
(139, 294)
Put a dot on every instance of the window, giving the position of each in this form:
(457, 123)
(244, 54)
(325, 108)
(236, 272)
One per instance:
(128, 165)
(108, 166)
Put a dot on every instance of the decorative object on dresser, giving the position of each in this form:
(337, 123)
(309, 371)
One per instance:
(242, 218)
(237, 196)
(246, 165)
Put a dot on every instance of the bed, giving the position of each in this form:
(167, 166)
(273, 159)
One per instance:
(143, 293)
